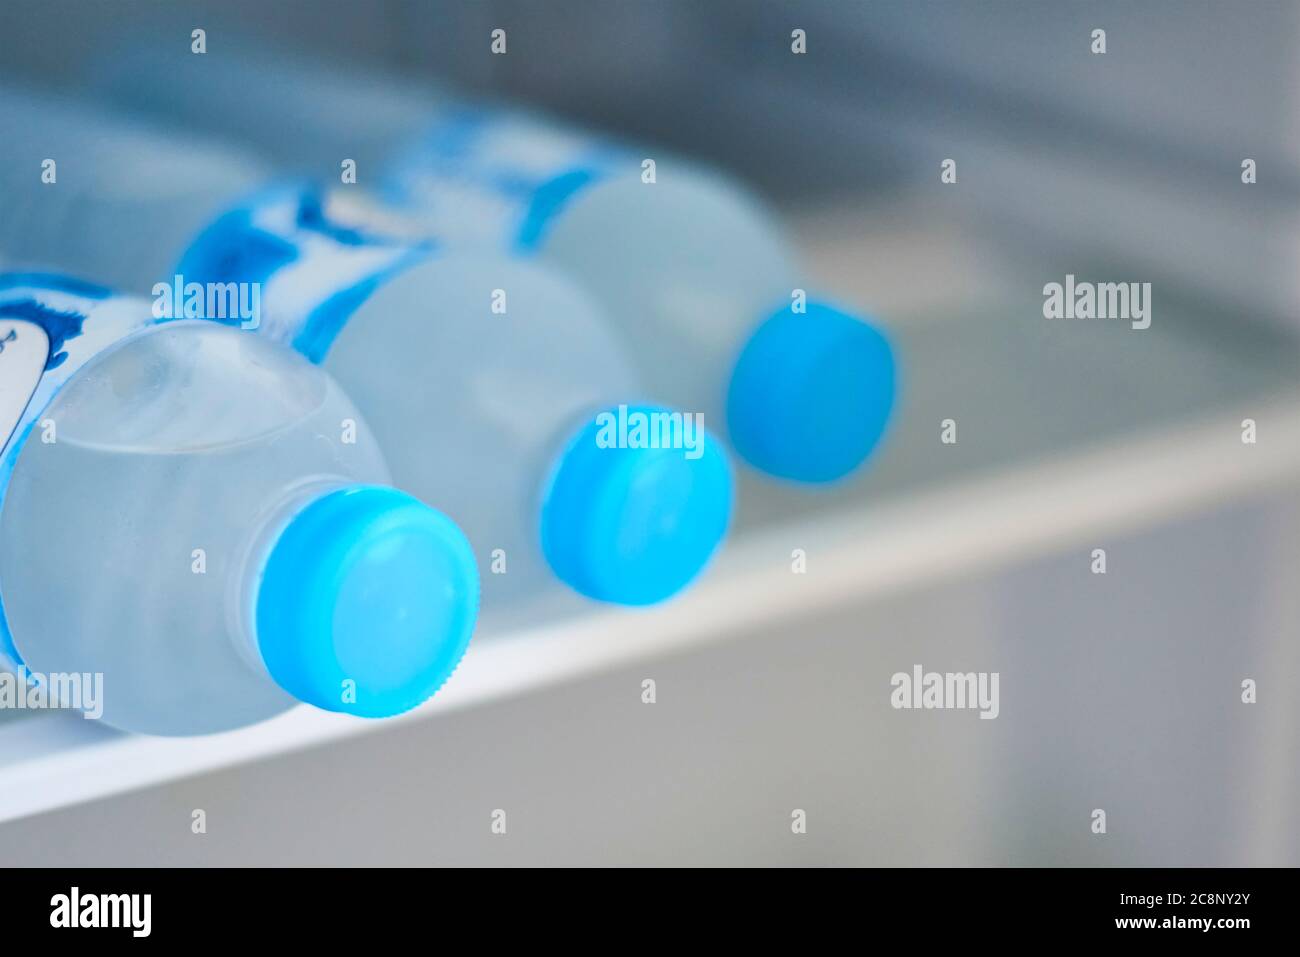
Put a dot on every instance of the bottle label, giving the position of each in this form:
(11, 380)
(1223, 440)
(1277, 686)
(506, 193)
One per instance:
(314, 258)
(50, 327)
(498, 178)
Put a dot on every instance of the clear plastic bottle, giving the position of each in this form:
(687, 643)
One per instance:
(106, 198)
(692, 269)
(497, 392)
(201, 517)
(304, 117)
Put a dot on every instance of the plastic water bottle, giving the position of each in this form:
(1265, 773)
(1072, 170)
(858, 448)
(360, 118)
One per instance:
(497, 392)
(692, 269)
(104, 198)
(301, 116)
(200, 517)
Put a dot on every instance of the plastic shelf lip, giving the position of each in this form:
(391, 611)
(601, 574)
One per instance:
(53, 761)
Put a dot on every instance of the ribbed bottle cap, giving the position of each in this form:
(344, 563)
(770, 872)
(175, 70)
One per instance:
(811, 394)
(367, 602)
(634, 525)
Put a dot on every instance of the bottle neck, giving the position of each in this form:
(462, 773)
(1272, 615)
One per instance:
(241, 606)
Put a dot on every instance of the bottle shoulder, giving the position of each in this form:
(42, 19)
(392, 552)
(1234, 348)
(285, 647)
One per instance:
(185, 386)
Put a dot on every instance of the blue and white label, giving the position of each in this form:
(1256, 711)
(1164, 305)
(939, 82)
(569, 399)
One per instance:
(50, 327)
(24, 350)
(498, 178)
(316, 260)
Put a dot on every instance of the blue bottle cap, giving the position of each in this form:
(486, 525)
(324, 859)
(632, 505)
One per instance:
(367, 602)
(630, 524)
(811, 394)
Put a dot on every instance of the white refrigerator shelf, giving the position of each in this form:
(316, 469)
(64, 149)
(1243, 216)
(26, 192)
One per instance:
(860, 552)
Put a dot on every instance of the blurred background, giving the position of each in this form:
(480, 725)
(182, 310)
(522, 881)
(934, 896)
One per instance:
(1120, 691)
